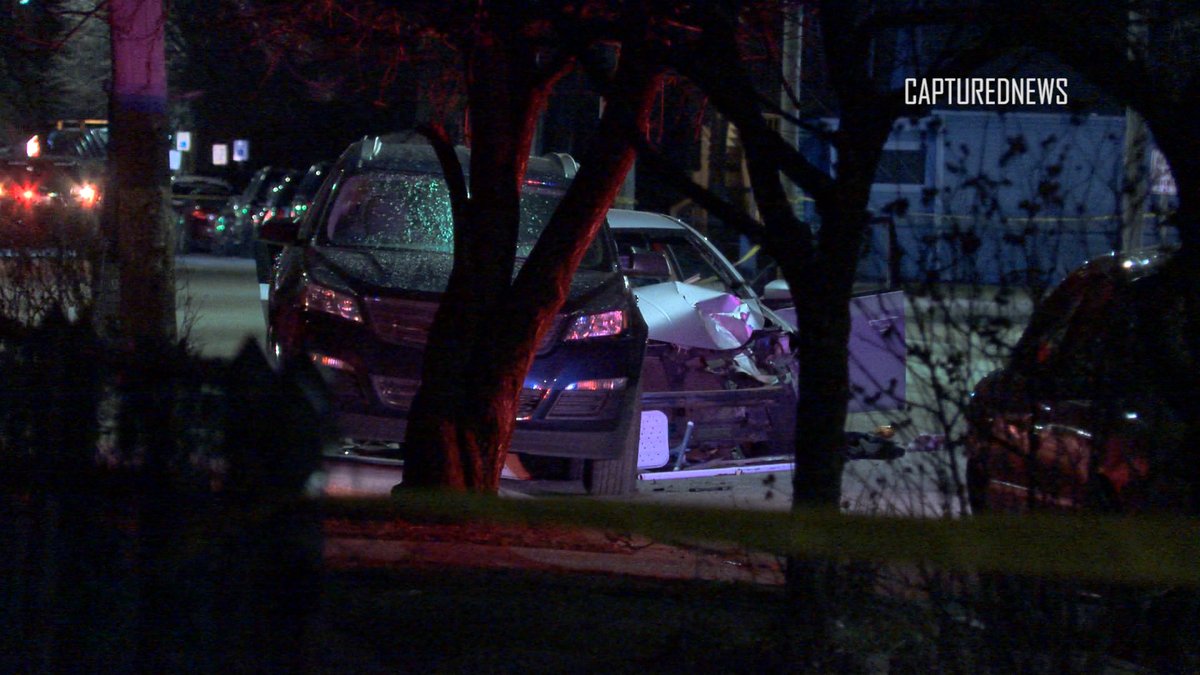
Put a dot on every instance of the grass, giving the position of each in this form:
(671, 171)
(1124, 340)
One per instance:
(479, 621)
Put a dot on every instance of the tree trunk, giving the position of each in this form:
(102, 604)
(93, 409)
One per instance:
(486, 331)
(138, 172)
(452, 434)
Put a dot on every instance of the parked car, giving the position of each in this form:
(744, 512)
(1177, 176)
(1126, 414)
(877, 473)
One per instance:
(306, 189)
(266, 253)
(235, 225)
(197, 202)
(277, 200)
(357, 283)
(1096, 408)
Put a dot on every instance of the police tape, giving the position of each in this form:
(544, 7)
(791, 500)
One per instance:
(1086, 547)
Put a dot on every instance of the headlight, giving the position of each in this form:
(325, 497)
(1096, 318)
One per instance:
(86, 194)
(328, 301)
(597, 325)
(608, 384)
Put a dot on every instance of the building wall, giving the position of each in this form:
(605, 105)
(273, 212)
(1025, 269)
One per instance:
(975, 196)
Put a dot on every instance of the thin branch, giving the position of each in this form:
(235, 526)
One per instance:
(678, 178)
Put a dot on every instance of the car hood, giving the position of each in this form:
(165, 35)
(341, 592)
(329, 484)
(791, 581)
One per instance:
(416, 273)
(694, 316)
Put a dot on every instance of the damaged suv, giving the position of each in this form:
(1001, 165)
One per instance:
(358, 281)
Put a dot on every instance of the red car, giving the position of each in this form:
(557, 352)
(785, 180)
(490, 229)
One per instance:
(1097, 407)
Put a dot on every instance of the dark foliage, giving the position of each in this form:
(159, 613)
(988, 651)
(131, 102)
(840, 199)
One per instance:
(153, 507)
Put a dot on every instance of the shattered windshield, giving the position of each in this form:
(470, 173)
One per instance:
(398, 211)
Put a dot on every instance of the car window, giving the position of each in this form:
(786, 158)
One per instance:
(1042, 339)
(281, 192)
(408, 211)
(690, 260)
(1080, 341)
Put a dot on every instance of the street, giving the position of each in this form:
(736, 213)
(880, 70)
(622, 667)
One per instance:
(217, 304)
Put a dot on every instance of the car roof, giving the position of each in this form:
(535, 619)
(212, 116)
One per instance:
(625, 219)
(409, 151)
(194, 179)
(1128, 265)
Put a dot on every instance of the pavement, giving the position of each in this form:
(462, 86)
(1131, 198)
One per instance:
(644, 559)
(581, 551)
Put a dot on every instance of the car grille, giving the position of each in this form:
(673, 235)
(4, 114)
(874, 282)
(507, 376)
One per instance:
(399, 392)
(407, 322)
(577, 404)
(400, 322)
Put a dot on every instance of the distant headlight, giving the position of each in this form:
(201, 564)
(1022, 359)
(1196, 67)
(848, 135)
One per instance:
(328, 301)
(597, 325)
(86, 194)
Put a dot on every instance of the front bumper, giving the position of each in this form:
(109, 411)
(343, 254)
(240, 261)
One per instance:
(546, 442)
(373, 384)
(729, 417)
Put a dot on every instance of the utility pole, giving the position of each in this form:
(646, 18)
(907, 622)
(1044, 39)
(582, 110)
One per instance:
(1133, 186)
(138, 173)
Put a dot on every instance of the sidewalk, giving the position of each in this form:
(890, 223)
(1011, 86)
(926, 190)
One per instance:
(605, 555)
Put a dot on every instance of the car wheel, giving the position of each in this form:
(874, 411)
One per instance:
(617, 476)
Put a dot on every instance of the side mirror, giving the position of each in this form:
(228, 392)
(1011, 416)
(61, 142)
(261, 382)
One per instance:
(651, 264)
(280, 230)
(777, 291)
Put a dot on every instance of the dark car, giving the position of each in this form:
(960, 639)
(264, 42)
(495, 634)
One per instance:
(1096, 408)
(236, 223)
(306, 189)
(197, 202)
(277, 200)
(358, 281)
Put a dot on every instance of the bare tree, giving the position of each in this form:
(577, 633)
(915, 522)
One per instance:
(860, 58)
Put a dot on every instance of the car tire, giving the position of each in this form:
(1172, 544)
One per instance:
(617, 476)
